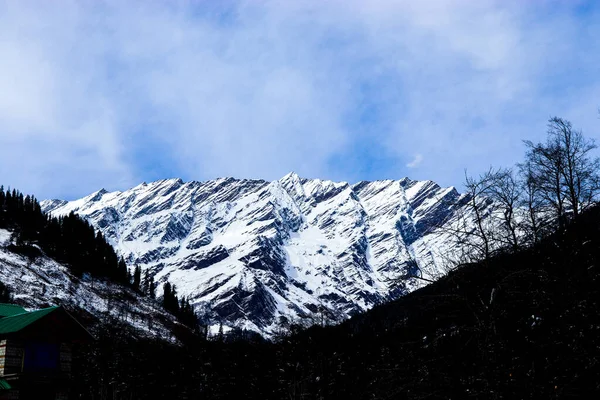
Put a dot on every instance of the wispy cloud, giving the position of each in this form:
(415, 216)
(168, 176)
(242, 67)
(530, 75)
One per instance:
(109, 94)
(415, 161)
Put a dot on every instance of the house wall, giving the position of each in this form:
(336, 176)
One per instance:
(65, 358)
(11, 357)
(11, 362)
(12, 352)
(2, 356)
(9, 395)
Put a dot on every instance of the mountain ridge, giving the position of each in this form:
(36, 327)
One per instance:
(250, 253)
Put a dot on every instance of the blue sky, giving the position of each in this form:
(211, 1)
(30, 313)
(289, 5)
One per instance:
(107, 95)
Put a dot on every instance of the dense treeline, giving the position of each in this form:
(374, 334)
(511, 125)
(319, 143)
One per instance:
(68, 239)
(181, 308)
(73, 241)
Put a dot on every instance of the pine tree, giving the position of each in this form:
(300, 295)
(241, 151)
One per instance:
(167, 296)
(137, 277)
(148, 286)
(2, 198)
(5, 294)
(144, 286)
(122, 271)
(152, 289)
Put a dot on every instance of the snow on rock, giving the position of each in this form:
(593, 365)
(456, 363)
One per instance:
(249, 252)
(4, 237)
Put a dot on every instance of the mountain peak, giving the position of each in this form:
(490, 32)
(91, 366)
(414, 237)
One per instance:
(290, 175)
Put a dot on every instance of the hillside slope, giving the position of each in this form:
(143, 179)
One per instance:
(36, 281)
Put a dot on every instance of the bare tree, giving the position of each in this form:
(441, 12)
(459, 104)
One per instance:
(563, 171)
(505, 191)
(481, 206)
(533, 224)
(470, 229)
(465, 241)
(411, 271)
(546, 164)
(488, 219)
(503, 210)
(580, 171)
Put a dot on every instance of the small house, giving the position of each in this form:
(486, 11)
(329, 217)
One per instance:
(35, 352)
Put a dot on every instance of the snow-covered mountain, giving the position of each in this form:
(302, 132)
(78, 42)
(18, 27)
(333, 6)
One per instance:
(250, 252)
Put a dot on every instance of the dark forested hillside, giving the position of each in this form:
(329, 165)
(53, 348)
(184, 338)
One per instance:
(69, 239)
(522, 325)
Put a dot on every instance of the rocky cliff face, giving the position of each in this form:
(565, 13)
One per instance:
(250, 252)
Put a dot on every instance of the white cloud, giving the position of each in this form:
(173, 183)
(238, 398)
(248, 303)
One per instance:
(416, 161)
(109, 94)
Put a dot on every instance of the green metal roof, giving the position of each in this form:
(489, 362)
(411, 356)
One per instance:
(8, 310)
(17, 322)
(4, 385)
